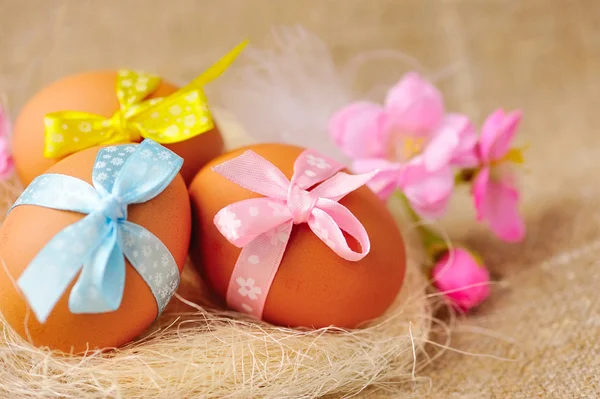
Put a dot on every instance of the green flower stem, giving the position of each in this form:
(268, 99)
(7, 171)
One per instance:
(435, 246)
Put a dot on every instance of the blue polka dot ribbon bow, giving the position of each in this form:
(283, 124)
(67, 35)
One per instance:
(98, 244)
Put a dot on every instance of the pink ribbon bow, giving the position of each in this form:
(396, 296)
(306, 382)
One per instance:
(262, 226)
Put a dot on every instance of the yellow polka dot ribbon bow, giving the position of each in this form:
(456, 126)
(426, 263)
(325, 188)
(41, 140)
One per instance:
(177, 117)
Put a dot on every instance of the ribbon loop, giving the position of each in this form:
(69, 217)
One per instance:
(60, 192)
(71, 131)
(98, 244)
(262, 226)
(254, 173)
(175, 118)
(133, 86)
(330, 220)
(312, 168)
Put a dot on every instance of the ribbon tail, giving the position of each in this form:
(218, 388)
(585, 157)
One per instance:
(342, 184)
(46, 278)
(99, 288)
(185, 113)
(255, 270)
(386, 181)
(152, 260)
(218, 67)
(243, 221)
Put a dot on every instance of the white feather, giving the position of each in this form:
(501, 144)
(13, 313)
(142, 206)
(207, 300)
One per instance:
(289, 92)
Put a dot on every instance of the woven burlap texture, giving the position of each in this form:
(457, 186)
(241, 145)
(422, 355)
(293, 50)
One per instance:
(538, 335)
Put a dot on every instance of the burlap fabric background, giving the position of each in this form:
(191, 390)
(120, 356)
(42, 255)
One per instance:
(538, 336)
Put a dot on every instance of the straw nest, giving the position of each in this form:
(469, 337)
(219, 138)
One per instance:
(195, 350)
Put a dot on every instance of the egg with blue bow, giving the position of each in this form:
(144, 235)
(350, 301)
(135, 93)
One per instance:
(93, 249)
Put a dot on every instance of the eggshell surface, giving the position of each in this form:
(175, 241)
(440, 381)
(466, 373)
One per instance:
(92, 92)
(313, 286)
(28, 228)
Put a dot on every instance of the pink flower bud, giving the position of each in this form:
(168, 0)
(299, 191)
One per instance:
(462, 279)
(6, 161)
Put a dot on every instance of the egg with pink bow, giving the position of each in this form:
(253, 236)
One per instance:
(287, 235)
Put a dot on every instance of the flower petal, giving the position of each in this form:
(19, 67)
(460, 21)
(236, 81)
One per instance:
(441, 149)
(358, 130)
(497, 134)
(414, 105)
(479, 191)
(386, 181)
(6, 160)
(497, 202)
(465, 154)
(428, 192)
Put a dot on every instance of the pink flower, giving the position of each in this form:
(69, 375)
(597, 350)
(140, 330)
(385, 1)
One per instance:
(462, 279)
(6, 161)
(410, 140)
(494, 192)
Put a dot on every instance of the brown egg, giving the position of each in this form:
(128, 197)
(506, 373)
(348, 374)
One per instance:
(313, 287)
(27, 229)
(93, 92)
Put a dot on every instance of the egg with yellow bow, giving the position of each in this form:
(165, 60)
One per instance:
(100, 108)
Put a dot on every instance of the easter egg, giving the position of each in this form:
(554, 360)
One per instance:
(313, 286)
(28, 228)
(93, 92)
